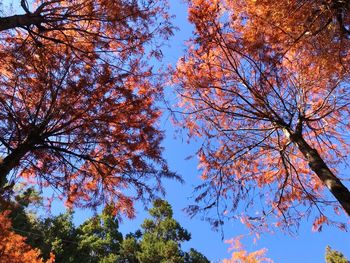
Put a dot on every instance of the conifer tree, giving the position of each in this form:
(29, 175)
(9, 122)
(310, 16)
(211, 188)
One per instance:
(160, 239)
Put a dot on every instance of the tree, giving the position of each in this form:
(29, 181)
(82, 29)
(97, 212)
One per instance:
(193, 256)
(93, 29)
(13, 247)
(22, 215)
(162, 236)
(160, 239)
(333, 256)
(56, 235)
(98, 238)
(273, 115)
(77, 100)
(18, 211)
(243, 256)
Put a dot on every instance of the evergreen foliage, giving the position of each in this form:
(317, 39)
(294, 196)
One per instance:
(98, 240)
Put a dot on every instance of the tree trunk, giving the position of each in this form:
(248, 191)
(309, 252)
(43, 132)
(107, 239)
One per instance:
(316, 163)
(11, 161)
(25, 20)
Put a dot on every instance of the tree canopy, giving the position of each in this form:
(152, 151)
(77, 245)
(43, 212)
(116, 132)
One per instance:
(265, 86)
(78, 100)
(162, 237)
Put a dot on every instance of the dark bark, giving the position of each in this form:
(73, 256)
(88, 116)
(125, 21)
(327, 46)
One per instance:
(316, 163)
(24, 20)
(11, 161)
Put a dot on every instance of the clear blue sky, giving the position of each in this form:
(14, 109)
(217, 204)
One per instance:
(306, 247)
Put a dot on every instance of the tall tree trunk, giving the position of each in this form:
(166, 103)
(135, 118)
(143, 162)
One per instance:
(316, 163)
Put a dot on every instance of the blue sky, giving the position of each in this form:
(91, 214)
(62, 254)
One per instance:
(306, 246)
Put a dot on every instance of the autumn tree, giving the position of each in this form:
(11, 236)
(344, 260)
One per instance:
(93, 29)
(78, 100)
(42, 235)
(267, 92)
(13, 247)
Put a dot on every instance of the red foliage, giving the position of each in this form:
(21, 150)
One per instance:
(13, 248)
(78, 100)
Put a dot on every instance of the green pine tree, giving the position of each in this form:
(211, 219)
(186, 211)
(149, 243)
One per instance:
(160, 240)
(99, 239)
(58, 235)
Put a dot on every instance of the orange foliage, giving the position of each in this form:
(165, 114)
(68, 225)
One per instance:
(78, 99)
(316, 30)
(13, 248)
(242, 256)
(265, 85)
